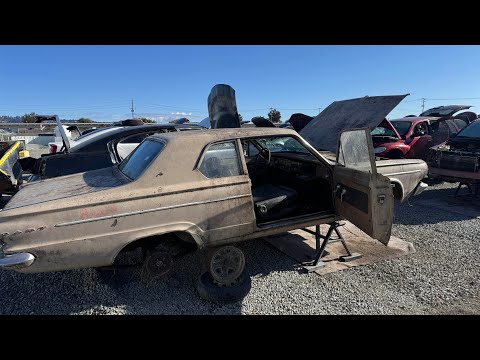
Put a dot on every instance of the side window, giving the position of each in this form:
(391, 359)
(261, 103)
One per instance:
(249, 150)
(220, 160)
(135, 139)
(451, 126)
(460, 123)
(127, 145)
(354, 150)
(420, 129)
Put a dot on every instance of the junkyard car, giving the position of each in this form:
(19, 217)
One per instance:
(412, 136)
(459, 159)
(194, 189)
(405, 174)
(97, 151)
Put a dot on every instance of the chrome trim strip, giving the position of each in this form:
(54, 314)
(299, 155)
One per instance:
(150, 210)
(403, 172)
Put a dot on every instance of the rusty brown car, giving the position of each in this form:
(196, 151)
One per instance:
(183, 191)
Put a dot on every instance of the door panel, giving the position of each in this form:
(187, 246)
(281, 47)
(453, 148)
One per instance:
(361, 195)
(419, 147)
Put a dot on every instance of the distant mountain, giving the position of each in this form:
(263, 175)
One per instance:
(19, 119)
(11, 119)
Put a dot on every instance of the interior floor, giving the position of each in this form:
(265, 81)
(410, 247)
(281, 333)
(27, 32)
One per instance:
(289, 185)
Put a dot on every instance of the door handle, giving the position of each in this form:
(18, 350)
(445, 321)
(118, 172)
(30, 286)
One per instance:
(342, 192)
(381, 199)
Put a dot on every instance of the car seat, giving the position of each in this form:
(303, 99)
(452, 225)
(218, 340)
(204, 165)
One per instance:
(273, 201)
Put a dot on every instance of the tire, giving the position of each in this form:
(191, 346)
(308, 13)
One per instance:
(223, 295)
(225, 264)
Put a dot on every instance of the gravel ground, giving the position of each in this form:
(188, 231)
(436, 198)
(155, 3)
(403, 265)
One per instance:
(440, 278)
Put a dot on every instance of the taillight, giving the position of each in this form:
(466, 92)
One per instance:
(52, 149)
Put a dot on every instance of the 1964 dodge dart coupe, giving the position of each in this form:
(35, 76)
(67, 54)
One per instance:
(191, 190)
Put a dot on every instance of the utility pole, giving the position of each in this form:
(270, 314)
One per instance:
(423, 104)
(132, 110)
(319, 110)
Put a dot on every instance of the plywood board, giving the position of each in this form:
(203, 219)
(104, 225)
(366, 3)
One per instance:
(300, 246)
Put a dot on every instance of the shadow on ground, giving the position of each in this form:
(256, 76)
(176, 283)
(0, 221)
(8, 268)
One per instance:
(440, 204)
(83, 292)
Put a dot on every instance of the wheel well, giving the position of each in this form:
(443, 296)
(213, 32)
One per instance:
(177, 239)
(397, 190)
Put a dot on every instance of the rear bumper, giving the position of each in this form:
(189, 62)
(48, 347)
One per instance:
(453, 175)
(420, 188)
(15, 261)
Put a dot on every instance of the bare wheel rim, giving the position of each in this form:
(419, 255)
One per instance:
(159, 263)
(226, 264)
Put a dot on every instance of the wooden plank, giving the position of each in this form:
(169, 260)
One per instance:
(300, 246)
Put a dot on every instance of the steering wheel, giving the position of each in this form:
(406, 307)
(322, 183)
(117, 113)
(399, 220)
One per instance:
(265, 154)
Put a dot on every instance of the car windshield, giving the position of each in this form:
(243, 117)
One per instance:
(402, 126)
(381, 131)
(283, 144)
(135, 164)
(471, 131)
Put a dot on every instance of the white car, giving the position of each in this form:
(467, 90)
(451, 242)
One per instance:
(57, 145)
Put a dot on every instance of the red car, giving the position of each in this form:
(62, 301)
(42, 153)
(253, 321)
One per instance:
(411, 137)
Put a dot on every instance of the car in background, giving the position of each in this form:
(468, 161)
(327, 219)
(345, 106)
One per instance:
(458, 160)
(76, 137)
(321, 132)
(411, 137)
(102, 149)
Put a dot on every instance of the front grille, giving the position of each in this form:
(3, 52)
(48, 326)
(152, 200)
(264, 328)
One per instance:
(461, 163)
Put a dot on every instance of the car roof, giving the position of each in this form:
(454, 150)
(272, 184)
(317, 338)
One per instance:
(210, 135)
(416, 119)
(127, 130)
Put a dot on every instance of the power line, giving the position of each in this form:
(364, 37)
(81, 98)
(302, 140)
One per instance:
(176, 107)
(472, 98)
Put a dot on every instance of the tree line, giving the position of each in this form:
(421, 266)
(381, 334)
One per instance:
(273, 115)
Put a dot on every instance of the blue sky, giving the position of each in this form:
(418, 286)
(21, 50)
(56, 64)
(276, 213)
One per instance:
(168, 82)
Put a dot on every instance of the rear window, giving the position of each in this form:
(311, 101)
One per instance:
(136, 163)
(471, 131)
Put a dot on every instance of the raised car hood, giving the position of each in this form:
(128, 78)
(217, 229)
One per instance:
(64, 186)
(323, 131)
(65, 138)
(388, 125)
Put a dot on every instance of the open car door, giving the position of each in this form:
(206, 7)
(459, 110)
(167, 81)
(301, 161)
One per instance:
(361, 195)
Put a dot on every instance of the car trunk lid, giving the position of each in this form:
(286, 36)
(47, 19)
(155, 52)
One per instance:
(444, 111)
(64, 187)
